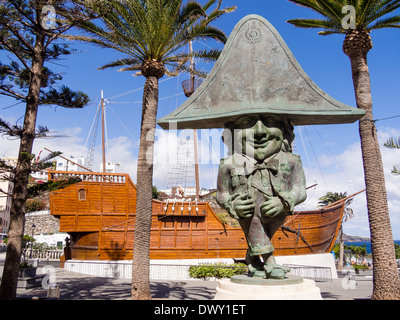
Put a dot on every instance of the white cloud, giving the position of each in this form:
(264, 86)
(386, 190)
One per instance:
(173, 145)
(120, 149)
(344, 173)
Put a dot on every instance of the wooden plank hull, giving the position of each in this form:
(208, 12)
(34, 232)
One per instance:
(308, 232)
(101, 226)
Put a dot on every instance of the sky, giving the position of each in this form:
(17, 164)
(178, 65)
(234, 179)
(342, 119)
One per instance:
(331, 154)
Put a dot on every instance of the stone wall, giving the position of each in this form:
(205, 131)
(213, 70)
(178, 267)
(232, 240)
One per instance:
(44, 222)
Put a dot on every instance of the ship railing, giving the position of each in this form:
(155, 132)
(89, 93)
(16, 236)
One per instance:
(316, 273)
(178, 205)
(89, 176)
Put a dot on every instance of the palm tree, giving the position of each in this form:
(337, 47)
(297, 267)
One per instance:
(394, 143)
(30, 45)
(151, 34)
(348, 214)
(367, 16)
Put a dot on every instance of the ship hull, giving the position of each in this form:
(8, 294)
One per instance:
(101, 225)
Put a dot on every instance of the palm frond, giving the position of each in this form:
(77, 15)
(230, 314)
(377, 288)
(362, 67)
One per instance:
(370, 14)
(332, 9)
(331, 197)
(135, 67)
(190, 10)
(207, 5)
(391, 22)
(392, 143)
(120, 63)
(206, 32)
(379, 10)
(153, 30)
(217, 13)
(329, 32)
(311, 4)
(211, 55)
(396, 170)
(317, 23)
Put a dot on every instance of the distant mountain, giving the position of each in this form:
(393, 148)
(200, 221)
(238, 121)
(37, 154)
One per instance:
(349, 238)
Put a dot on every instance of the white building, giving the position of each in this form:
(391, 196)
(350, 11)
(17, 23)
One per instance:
(5, 205)
(40, 175)
(187, 191)
(65, 165)
(111, 167)
(56, 240)
(5, 198)
(61, 164)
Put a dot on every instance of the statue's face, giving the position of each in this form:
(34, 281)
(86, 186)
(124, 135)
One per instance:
(258, 136)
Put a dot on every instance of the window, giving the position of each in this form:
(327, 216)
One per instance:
(82, 194)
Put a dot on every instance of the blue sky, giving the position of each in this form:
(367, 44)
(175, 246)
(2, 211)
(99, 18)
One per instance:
(331, 154)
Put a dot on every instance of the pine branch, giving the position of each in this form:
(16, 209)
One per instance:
(65, 97)
(17, 131)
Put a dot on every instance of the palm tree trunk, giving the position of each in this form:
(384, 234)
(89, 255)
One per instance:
(386, 277)
(8, 288)
(141, 247)
(341, 249)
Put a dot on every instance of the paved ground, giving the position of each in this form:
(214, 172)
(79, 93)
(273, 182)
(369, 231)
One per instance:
(74, 286)
(82, 287)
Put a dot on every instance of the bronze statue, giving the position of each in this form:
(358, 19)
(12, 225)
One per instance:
(258, 91)
(260, 183)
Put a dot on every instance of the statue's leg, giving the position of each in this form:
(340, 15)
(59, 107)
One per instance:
(254, 264)
(272, 269)
(257, 239)
(258, 243)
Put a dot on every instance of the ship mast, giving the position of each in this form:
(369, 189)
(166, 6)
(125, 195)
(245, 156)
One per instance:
(196, 156)
(103, 132)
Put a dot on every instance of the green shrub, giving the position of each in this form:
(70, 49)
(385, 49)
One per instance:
(34, 205)
(25, 265)
(360, 267)
(218, 270)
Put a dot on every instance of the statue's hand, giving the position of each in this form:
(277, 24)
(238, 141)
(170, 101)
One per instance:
(243, 206)
(271, 207)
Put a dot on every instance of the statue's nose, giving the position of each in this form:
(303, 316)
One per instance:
(259, 129)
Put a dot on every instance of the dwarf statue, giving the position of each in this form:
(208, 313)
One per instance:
(259, 184)
(257, 91)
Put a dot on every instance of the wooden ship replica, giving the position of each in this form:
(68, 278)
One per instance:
(99, 215)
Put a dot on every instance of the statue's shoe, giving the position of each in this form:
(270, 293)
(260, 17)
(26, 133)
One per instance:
(275, 271)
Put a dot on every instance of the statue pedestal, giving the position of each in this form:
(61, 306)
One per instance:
(244, 287)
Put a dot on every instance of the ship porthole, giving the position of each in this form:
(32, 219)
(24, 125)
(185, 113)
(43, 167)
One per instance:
(82, 194)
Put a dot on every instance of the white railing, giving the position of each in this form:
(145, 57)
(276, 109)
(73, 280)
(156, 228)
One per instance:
(47, 254)
(316, 273)
(89, 176)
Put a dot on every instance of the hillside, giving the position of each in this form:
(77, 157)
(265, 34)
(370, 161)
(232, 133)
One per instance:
(350, 238)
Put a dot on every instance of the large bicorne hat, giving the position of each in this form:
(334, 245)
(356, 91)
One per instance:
(258, 74)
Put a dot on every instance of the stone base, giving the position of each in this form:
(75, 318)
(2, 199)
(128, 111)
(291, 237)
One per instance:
(247, 288)
(30, 282)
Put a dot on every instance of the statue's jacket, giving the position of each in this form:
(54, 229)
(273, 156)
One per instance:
(278, 176)
(281, 175)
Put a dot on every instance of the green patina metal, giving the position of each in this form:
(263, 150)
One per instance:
(259, 184)
(258, 74)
